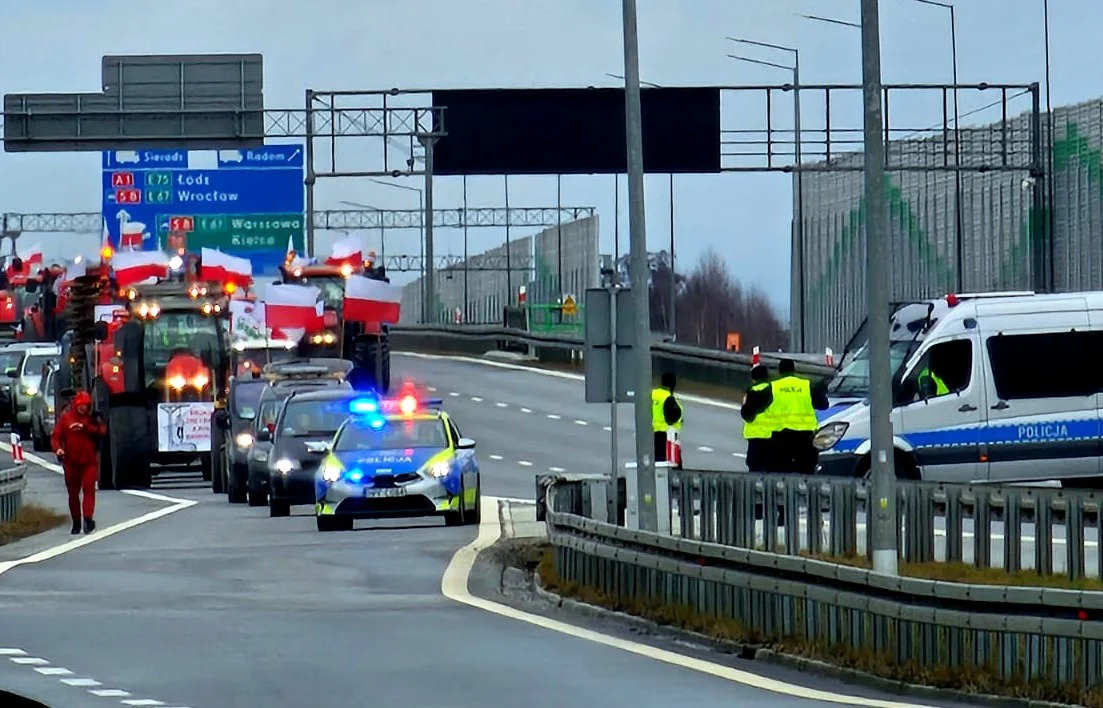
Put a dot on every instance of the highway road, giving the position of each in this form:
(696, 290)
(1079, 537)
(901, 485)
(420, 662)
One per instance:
(219, 606)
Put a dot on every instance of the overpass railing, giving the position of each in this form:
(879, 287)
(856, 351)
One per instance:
(12, 483)
(785, 559)
(706, 366)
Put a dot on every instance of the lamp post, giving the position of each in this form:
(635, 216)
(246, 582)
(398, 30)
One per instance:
(425, 306)
(671, 306)
(1051, 273)
(377, 210)
(797, 292)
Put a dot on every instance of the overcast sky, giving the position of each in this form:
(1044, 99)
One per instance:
(56, 45)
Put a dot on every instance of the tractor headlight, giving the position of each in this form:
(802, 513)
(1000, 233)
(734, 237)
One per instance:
(285, 466)
(200, 381)
(30, 390)
(244, 440)
(177, 383)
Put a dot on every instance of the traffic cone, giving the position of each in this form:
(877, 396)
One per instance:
(756, 358)
(829, 357)
(16, 449)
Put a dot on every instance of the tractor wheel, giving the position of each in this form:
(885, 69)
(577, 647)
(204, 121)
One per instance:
(133, 442)
(101, 403)
(374, 356)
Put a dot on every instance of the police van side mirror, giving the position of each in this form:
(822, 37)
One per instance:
(99, 331)
(465, 444)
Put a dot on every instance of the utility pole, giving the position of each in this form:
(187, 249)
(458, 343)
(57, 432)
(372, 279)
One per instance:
(429, 294)
(882, 506)
(638, 270)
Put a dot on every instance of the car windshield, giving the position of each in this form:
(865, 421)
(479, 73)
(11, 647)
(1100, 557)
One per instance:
(332, 287)
(181, 333)
(33, 364)
(853, 379)
(247, 397)
(393, 435)
(314, 418)
(9, 360)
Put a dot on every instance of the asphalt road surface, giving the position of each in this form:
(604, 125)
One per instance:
(219, 606)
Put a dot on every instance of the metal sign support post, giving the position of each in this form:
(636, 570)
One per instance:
(614, 450)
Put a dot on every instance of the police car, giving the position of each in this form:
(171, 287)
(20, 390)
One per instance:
(397, 458)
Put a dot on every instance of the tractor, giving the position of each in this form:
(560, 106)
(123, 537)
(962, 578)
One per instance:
(366, 345)
(156, 361)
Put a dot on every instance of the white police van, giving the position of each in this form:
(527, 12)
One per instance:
(1016, 394)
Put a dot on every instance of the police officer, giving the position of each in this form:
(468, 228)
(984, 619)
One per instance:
(931, 384)
(795, 404)
(758, 423)
(666, 413)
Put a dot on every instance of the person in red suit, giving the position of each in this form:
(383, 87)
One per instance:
(76, 442)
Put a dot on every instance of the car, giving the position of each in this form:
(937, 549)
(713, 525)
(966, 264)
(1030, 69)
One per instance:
(403, 458)
(11, 358)
(27, 381)
(263, 428)
(306, 423)
(242, 404)
(43, 415)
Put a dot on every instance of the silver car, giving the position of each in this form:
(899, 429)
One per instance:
(43, 416)
(29, 380)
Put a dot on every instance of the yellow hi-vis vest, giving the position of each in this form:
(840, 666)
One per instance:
(658, 420)
(793, 404)
(763, 425)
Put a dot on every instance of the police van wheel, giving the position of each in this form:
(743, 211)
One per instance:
(257, 498)
(334, 523)
(903, 464)
(279, 509)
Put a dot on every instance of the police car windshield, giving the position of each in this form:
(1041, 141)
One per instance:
(313, 418)
(246, 397)
(394, 435)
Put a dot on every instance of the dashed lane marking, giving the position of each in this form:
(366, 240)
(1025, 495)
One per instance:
(454, 394)
(553, 416)
(81, 682)
(28, 661)
(524, 463)
(53, 671)
(142, 702)
(496, 457)
(12, 652)
(431, 389)
(526, 410)
(581, 422)
(556, 469)
(608, 429)
(476, 399)
(705, 448)
(502, 405)
(109, 692)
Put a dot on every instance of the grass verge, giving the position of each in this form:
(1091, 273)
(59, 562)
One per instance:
(32, 519)
(965, 573)
(970, 679)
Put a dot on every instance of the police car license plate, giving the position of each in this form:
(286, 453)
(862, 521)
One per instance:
(385, 492)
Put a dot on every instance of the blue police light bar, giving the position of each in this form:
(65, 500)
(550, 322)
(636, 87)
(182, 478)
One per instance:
(364, 406)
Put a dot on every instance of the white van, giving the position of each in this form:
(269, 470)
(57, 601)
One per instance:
(1015, 395)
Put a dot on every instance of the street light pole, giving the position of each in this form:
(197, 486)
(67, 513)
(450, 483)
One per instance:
(633, 128)
(797, 292)
(421, 231)
(882, 508)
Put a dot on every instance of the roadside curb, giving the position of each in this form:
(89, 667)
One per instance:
(514, 579)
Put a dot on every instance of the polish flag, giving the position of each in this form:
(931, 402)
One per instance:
(291, 307)
(368, 300)
(131, 235)
(32, 261)
(133, 267)
(347, 250)
(223, 268)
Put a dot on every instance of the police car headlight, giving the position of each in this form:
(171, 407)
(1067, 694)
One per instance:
(829, 435)
(244, 440)
(330, 472)
(30, 390)
(439, 469)
(284, 465)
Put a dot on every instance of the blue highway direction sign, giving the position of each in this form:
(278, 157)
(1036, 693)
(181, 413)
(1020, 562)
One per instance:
(158, 191)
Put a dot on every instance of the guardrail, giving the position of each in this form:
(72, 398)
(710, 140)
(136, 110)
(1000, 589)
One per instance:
(710, 568)
(708, 366)
(12, 483)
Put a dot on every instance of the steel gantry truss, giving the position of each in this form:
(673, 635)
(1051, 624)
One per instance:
(336, 220)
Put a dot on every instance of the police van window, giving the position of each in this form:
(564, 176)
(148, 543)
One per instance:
(1017, 361)
(944, 369)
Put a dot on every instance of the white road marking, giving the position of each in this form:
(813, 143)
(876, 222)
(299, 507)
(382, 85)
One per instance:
(496, 457)
(53, 671)
(453, 394)
(81, 682)
(141, 702)
(28, 661)
(705, 448)
(556, 469)
(526, 410)
(175, 504)
(739, 454)
(553, 416)
(431, 389)
(524, 463)
(476, 399)
(554, 374)
(109, 693)
(502, 405)
(581, 422)
(608, 429)
(12, 652)
(453, 585)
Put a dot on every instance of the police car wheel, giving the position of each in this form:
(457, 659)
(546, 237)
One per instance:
(257, 498)
(474, 517)
(278, 509)
(334, 523)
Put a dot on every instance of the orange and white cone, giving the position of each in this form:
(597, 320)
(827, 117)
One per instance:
(829, 357)
(673, 448)
(756, 357)
(17, 449)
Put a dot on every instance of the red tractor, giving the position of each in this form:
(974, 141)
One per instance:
(366, 345)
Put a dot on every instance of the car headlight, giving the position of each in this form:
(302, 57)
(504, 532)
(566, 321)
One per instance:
(330, 472)
(439, 469)
(829, 435)
(30, 390)
(244, 440)
(260, 454)
(284, 465)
